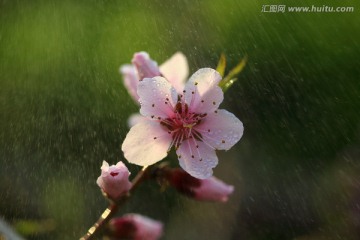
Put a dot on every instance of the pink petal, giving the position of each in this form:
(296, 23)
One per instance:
(221, 129)
(146, 143)
(202, 92)
(157, 97)
(131, 80)
(146, 67)
(197, 158)
(176, 70)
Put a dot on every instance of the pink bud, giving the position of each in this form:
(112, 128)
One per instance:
(213, 189)
(146, 67)
(210, 189)
(135, 227)
(114, 180)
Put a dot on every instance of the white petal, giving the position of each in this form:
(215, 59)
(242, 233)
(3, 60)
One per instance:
(197, 158)
(221, 129)
(146, 143)
(135, 119)
(157, 97)
(105, 166)
(202, 92)
(176, 71)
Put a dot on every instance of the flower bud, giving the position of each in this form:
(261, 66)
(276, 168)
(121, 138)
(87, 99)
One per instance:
(114, 180)
(210, 189)
(146, 67)
(135, 227)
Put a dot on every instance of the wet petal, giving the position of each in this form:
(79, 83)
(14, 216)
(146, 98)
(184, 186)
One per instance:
(202, 92)
(131, 80)
(146, 143)
(176, 70)
(197, 158)
(157, 98)
(221, 129)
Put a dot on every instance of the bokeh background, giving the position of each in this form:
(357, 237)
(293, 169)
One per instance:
(63, 109)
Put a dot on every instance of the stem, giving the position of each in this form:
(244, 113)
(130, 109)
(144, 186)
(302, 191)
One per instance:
(109, 212)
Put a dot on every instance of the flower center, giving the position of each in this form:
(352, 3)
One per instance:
(183, 124)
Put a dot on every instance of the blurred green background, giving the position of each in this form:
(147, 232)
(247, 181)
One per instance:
(64, 110)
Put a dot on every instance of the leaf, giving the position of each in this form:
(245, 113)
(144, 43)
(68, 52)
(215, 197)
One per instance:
(229, 84)
(221, 65)
(229, 80)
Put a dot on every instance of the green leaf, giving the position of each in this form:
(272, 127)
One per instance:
(228, 84)
(229, 80)
(221, 65)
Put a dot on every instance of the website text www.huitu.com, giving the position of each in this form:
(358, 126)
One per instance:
(306, 9)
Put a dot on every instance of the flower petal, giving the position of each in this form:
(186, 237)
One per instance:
(146, 143)
(157, 97)
(202, 92)
(146, 67)
(221, 129)
(131, 80)
(105, 166)
(197, 158)
(135, 119)
(176, 70)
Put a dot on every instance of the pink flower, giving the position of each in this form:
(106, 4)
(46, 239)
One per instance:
(136, 227)
(190, 121)
(175, 70)
(210, 189)
(114, 180)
